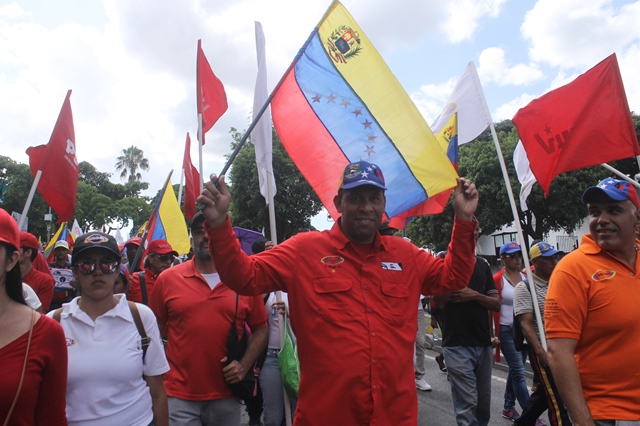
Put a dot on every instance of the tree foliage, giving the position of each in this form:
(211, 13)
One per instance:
(295, 202)
(99, 202)
(19, 179)
(560, 210)
(132, 160)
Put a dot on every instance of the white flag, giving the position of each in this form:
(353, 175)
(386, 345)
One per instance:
(525, 175)
(261, 135)
(118, 237)
(467, 99)
(75, 229)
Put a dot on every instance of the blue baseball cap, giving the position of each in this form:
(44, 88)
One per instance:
(510, 247)
(362, 173)
(617, 190)
(542, 249)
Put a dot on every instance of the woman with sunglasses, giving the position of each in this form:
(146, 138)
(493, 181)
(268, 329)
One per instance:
(506, 280)
(33, 352)
(112, 380)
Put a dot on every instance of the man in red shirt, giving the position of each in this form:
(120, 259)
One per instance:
(131, 249)
(41, 282)
(353, 297)
(195, 312)
(160, 256)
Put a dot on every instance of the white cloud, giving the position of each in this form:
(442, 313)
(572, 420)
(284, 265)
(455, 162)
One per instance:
(463, 16)
(578, 33)
(431, 98)
(494, 68)
(508, 110)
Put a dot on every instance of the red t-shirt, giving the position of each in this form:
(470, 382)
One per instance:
(135, 292)
(197, 322)
(43, 284)
(43, 395)
(354, 314)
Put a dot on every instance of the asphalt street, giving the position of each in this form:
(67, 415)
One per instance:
(435, 407)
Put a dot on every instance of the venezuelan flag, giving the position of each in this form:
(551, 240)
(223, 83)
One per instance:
(61, 234)
(168, 223)
(447, 137)
(340, 103)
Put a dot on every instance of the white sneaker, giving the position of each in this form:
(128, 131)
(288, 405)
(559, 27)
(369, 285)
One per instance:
(423, 385)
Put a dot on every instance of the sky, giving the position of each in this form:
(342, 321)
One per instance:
(131, 64)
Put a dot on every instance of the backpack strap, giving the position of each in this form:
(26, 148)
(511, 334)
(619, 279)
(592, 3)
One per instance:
(143, 288)
(57, 314)
(143, 333)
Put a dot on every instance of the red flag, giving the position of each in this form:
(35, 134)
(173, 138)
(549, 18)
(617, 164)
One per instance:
(212, 100)
(191, 182)
(57, 160)
(584, 123)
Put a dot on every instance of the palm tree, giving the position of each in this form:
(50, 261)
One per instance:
(130, 161)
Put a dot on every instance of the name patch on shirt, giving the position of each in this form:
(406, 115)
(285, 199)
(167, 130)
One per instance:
(391, 266)
(602, 275)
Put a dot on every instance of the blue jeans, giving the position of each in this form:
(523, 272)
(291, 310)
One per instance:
(272, 392)
(516, 379)
(469, 369)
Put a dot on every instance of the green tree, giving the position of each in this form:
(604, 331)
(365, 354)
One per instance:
(132, 160)
(19, 179)
(295, 202)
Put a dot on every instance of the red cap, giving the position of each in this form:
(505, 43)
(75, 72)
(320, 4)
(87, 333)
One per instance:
(133, 240)
(29, 240)
(9, 230)
(161, 247)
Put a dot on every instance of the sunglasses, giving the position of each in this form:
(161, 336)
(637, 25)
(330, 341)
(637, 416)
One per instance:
(164, 257)
(516, 255)
(88, 266)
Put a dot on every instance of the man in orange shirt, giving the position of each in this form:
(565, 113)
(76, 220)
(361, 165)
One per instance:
(592, 315)
(41, 282)
(353, 295)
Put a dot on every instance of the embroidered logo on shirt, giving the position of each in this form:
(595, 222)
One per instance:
(70, 341)
(391, 266)
(332, 260)
(602, 275)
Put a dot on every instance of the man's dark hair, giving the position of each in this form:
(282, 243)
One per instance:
(34, 252)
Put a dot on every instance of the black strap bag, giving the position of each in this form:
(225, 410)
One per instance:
(236, 347)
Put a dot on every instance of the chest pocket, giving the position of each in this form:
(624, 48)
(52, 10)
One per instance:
(331, 295)
(396, 300)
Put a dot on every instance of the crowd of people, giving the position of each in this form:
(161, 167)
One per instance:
(97, 337)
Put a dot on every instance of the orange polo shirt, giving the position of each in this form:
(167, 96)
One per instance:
(595, 299)
(354, 314)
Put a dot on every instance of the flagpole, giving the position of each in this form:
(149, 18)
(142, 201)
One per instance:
(257, 116)
(136, 260)
(180, 188)
(620, 174)
(27, 205)
(516, 220)
(514, 209)
(200, 143)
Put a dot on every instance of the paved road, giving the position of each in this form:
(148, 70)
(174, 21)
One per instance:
(435, 407)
